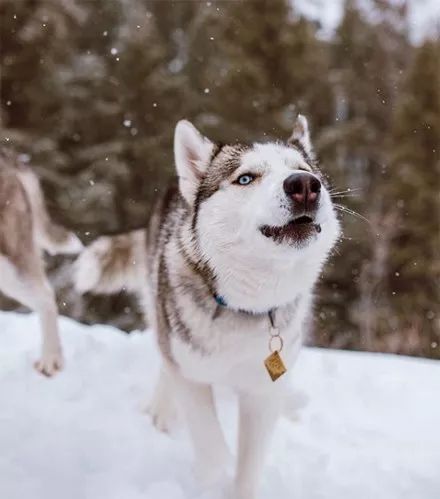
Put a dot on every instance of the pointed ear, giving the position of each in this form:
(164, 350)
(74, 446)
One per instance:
(300, 135)
(192, 152)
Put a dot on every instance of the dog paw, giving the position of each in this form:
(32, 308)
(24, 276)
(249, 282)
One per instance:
(50, 363)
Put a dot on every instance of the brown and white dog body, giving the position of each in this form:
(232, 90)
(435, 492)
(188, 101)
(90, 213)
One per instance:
(25, 231)
(244, 234)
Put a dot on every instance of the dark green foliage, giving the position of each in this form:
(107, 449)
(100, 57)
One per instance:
(91, 91)
(414, 185)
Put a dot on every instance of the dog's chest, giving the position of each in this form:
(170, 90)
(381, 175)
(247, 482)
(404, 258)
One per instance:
(231, 349)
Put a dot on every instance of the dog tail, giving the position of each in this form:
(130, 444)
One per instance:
(111, 264)
(51, 237)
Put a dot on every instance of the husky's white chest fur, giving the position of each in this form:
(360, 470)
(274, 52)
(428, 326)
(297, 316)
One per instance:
(228, 345)
(233, 354)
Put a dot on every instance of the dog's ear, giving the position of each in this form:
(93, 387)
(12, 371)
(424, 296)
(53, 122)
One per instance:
(192, 152)
(301, 136)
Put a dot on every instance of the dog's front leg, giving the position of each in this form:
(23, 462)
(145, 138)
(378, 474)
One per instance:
(258, 415)
(211, 452)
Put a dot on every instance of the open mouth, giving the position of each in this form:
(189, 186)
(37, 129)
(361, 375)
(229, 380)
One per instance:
(296, 231)
(301, 220)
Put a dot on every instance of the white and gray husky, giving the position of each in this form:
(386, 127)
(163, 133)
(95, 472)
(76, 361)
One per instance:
(25, 231)
(226, 268)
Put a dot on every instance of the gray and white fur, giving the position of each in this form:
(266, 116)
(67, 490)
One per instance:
(25, 231)
(245, 230)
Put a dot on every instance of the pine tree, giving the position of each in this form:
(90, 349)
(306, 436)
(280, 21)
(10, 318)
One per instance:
(366, 59)
(250, 69)
(34, 39)
(88, 95)
(412, 187)
(121, 107)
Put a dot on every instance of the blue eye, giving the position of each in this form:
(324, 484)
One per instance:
(245, 179)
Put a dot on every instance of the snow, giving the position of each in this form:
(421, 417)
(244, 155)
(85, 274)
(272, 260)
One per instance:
(369, 426)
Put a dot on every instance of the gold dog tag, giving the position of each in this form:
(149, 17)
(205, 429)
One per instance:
(275, 365)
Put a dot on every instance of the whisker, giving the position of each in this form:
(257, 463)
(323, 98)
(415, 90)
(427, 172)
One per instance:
(344, 209)
(345, 191)
(350, 189)
(336, 251)
(342, 195)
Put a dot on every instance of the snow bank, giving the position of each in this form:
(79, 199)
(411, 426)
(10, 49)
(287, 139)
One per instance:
(369, 428)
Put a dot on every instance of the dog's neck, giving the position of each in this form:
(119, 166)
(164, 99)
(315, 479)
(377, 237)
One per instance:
(258, 284)
(250, 282)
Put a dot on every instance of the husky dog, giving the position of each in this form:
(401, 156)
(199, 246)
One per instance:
(26, 230)
(226, 268)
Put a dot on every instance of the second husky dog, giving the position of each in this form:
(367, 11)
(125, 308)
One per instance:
(226, 268)
(25, 231)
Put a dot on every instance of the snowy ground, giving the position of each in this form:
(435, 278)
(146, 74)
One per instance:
(368, 430)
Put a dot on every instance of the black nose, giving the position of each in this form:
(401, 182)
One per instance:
(303, 189)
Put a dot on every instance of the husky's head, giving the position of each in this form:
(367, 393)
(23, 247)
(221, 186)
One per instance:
(265, 199)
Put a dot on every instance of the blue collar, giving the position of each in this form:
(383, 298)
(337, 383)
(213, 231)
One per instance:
(221, 302)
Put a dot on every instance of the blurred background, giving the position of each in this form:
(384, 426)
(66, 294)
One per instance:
(91, 91)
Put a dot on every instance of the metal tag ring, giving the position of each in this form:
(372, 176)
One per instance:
(274, 332)
(272, 340)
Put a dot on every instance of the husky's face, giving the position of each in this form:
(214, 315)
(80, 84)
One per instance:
(265, 200)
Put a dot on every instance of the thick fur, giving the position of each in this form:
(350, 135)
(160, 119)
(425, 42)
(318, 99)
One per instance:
(26, 230)
(111, 264)
(205, 240)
